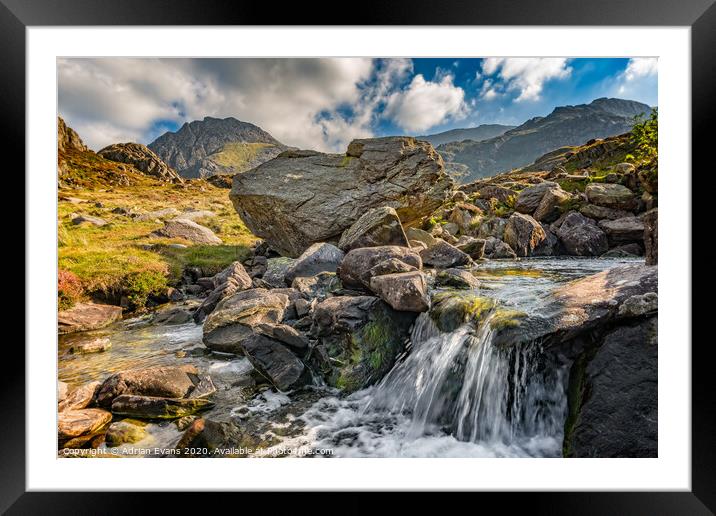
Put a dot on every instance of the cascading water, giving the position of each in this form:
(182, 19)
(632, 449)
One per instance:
(462, 384)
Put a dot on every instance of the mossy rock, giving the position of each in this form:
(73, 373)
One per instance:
(507, 318)
(452, 309)
(126, 431)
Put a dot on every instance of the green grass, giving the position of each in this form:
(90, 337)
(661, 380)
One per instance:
(123, 258)
(239, 155)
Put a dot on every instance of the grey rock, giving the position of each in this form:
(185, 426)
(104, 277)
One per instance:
(651, 236)
(638, 305)
(529, 199)
(304, 197)
(355, 269)
(275, 362)
(319, 286)
(379, 226)
(457, 278)
(523, 234)
(443, 256)
(188, 230)
(359, 339)
(404, 291)
(625, 230)
(88, 219)
(421, 236)
(600, 212)
(226, 283)
(234, 318)
(319, 257)
(581, 236)
(474, 247)
(496, 248)
(155, 407)
(610, 195)
(165, 381)
(276, 269)
(390, 266)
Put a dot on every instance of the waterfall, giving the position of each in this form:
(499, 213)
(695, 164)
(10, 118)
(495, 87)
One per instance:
(463, 384)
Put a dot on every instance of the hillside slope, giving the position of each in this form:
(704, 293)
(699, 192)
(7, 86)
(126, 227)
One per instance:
(565, 126)
(481, 132)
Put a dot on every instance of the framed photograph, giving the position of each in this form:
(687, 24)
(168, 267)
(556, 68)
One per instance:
(421, 249)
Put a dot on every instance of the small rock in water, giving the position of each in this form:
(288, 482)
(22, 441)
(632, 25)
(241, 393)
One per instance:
(94, 346)
(79, 398)
(125, 431)
(153, 407)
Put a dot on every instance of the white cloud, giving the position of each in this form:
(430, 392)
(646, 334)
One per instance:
(640, 67)
(297, 100)
(526, 76)
(425, 104)
(639, 77)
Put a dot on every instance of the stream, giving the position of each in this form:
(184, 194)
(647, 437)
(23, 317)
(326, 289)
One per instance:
(450, 395)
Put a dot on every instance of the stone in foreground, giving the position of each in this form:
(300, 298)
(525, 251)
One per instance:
(303, 197)
(87, 316)
(275, 362)
(154, 407)
(359, 339)
(320, 257)
(164, 381)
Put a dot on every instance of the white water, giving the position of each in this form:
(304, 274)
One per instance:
(456, 394)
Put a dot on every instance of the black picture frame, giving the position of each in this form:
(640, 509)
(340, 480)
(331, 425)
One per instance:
(700, 15)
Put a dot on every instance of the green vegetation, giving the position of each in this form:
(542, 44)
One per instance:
(451, 309)
(506, 318)
(239, 155)
(123, 258)
(645, 138)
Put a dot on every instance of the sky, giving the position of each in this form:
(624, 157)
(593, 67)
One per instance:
(324, 103)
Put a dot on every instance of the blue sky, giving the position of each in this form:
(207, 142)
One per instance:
(323, 103)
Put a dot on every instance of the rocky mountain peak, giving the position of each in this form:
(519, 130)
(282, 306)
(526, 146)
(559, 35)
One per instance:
(216, 146)
(68, 139)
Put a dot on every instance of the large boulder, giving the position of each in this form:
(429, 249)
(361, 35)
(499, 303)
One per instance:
(651, 236)
(623, 231)
(303, 197)
(581, 236)
(167, 381)
(188, 230)
(443, 255)
(355, 269)
(614, 409)
(610, 195)
(320, 257)
(226, 283)
(523, 234)
(141, 158)
(404, 291)
(235, 317)
(87, 316)
(528, 199)
(359, 339)
(379, 226)
(275, 362)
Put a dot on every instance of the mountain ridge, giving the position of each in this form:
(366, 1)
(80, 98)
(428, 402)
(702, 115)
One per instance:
(518, 147)
(479, 133)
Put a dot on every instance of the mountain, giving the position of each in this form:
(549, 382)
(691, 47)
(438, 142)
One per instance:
(212, 146)
(565, 126)
(481, 132)
(68, 139)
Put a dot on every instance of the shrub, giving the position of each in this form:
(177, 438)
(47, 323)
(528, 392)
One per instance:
(69, 289)
(140, 285)
(645, 138)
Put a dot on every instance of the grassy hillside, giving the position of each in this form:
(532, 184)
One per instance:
(122, 258)
(241, 155)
